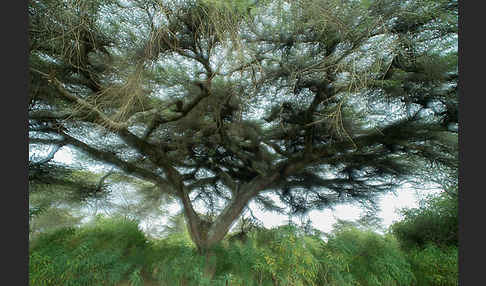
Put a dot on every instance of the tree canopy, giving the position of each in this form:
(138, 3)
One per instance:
(219, 103)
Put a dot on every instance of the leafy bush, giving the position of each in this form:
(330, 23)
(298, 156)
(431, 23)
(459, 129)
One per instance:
(48, 219)
(429, 234)
(435, 221)
(103, 253)
(287, 256)
(359, 257)
(435, 266)
(175, 260)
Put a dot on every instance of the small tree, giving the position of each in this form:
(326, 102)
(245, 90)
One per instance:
(222, 103)
(434, 222)
(429, 235)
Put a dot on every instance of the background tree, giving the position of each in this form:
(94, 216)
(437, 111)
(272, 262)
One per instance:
(429, 235)
(221, 103)
(435, 221)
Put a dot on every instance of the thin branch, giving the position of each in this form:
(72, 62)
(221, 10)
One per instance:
(59, 86)
(112, 159)
(202, 182)
(103, 179)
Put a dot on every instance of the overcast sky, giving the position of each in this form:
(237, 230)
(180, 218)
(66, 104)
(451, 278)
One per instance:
(323, 220)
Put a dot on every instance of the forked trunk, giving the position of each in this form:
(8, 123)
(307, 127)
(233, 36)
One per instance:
(207, 234)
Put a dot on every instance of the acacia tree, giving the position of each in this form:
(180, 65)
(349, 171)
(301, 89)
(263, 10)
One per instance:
(219, 103)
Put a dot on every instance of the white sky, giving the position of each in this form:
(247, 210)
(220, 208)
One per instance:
(64, 155)
(323, 220)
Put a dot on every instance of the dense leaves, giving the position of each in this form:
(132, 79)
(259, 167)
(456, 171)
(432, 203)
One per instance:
(429, 234)
(370, 259)
(103, 253)
(434, 265)
(434, 222)
(222, 103)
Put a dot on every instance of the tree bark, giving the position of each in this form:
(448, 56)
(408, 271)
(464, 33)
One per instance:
(208, 234)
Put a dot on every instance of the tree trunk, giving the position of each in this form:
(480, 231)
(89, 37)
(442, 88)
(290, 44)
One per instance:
(220, 227)
(210, 264)
(207, 234)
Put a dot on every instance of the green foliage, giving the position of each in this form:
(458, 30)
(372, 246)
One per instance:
(429, 234)
(435, 266)
(357, 257)
(435, 221)
(36, 211)
(281, 255)
(287, 256)
(135, 278)
(175, 259)
(114, 251)
(50, 183)
(153, 88)
(103, 253)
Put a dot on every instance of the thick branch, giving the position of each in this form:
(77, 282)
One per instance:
(112, 159)
(233, 210)
(192, 218)
(158, 120)
(110, 123)
(153, 153)
(202, 182)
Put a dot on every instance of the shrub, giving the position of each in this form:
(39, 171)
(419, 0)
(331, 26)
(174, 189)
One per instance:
(174, 260)
(435, 266)
(109, 251)
(103, 253)
(435, 221)
(429, 234)
(358, 257)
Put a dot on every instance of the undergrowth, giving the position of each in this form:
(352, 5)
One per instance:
(102, 253)
(113, 251)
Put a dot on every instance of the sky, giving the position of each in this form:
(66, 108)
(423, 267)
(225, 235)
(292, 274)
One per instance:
(323, 220)
(389, 205)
